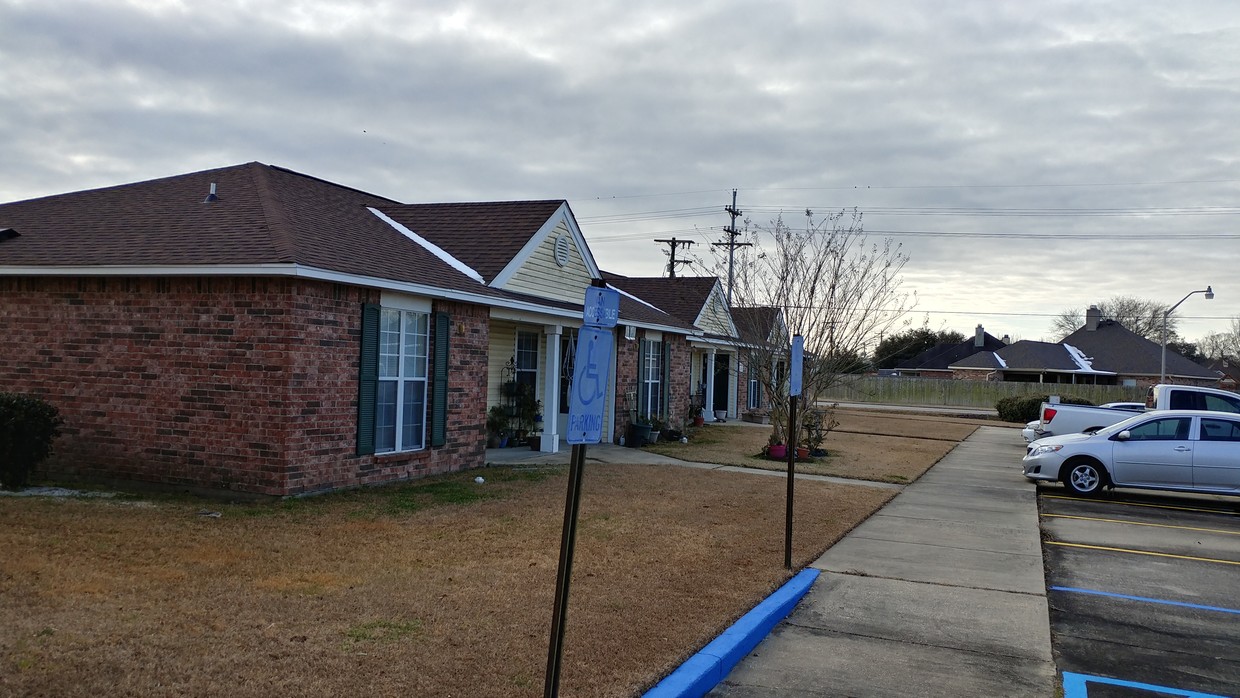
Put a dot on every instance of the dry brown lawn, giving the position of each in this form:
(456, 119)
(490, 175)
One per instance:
(867, 445)
(439, 588)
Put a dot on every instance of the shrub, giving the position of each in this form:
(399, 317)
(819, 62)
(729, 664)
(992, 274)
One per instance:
(1026, 408)
(27, 426)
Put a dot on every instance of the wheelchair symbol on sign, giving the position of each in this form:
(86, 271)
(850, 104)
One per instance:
(590, 385)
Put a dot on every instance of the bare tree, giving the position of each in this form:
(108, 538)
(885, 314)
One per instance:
(1140, 315)
(1222, 345)
(830, 285)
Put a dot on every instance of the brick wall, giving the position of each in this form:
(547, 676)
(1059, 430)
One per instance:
(219, 383)
(626, 382)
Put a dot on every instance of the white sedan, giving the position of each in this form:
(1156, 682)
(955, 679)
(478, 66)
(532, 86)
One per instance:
(1183, 450)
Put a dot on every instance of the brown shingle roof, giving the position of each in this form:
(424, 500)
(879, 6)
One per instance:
(271, 215)
(486, 236)
(263, 215)
(682, 296)
(755, 325)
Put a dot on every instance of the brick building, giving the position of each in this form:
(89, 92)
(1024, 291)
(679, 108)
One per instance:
(257, 330)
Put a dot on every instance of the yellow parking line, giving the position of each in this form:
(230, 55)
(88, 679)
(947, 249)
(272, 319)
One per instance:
(1142, 552)
(1139, 504)
(1141, 523)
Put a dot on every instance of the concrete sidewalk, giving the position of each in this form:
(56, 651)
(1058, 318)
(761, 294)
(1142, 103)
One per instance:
(611, 453)
(941, 593)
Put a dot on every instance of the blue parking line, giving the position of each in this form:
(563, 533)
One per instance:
(1181, 604)
(1074, 686)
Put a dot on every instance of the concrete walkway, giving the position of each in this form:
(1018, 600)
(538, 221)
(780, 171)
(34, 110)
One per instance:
(611, 453)
(941, 593)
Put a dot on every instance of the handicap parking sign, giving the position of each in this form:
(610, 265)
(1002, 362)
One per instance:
(587, 400)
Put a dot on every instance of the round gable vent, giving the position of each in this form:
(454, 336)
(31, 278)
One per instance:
(562, 250)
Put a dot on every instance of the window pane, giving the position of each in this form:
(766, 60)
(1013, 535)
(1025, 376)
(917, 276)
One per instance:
(415, 346)
(385, 417)
(413, 415)
(389, 343)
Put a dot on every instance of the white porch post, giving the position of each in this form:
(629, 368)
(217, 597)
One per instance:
(709, 379)
(551, 391)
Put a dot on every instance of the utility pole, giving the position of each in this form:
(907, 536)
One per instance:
(731, 242)
(672, 262)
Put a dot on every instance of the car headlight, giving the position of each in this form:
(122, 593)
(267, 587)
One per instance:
(1046, 449)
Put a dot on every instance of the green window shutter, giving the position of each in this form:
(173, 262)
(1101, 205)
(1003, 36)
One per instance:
(439, 386)
(368, 380)
(666, 383)
(641, 378)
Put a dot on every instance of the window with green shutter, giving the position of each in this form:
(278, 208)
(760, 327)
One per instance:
(392, 380)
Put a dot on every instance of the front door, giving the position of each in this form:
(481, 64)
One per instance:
(721, 382)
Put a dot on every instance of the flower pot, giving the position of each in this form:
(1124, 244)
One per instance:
(802, 453)
(699, 421)
(777, 452)
(638, 435)
(721, 415)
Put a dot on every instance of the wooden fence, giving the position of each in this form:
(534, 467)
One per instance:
(966, 393)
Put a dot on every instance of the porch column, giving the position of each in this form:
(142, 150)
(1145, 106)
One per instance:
(709, 378)
(551, 391)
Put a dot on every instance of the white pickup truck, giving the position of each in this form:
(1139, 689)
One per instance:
(1058, 418)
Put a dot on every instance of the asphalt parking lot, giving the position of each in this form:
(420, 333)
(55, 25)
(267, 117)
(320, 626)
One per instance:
(1144, 592)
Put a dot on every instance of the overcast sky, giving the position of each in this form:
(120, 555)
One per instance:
(1031, 156)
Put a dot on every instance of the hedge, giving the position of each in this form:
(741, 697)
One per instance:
(1028, 408)
(27, 427)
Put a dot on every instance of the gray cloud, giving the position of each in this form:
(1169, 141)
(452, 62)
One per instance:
(1084, 106)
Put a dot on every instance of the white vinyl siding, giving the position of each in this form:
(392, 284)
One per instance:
(541, 276)
(715, 318)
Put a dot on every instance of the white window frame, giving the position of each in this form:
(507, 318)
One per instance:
(652, 379)
(410, 359)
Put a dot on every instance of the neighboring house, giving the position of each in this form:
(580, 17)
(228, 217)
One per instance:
(710, 373)
(936, 361)
(1101, 352)
(1227, 371)
(257, 330)
(764, 331)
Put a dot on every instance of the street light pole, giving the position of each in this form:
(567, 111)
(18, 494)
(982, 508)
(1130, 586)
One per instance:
(1162, 373)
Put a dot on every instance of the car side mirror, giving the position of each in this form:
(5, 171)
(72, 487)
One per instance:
(1123, 435)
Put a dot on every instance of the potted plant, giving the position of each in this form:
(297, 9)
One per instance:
(695, 415)
(657, 427)
(497, 426)
(639, 431)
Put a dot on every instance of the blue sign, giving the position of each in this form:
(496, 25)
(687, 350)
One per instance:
(602, 307)
(798, 364)
(587, 395)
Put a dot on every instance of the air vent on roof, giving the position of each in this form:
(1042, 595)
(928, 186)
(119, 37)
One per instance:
(7, 234)
(211, 196)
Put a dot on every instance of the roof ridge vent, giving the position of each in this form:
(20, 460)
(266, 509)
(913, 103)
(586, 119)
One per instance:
(211, 195)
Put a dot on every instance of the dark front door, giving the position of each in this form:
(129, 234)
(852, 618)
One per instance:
(721, 382)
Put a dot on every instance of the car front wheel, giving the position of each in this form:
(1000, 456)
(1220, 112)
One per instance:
(1085, 478)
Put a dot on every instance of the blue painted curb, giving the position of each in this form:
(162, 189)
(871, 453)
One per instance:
(704, 670)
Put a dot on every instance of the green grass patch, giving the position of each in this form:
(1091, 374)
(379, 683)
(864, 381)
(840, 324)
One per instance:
(382, 631)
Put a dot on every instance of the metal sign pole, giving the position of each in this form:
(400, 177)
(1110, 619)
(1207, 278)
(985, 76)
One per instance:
(586, 407)
(559, 617)
(792, 456)
(794, 430)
